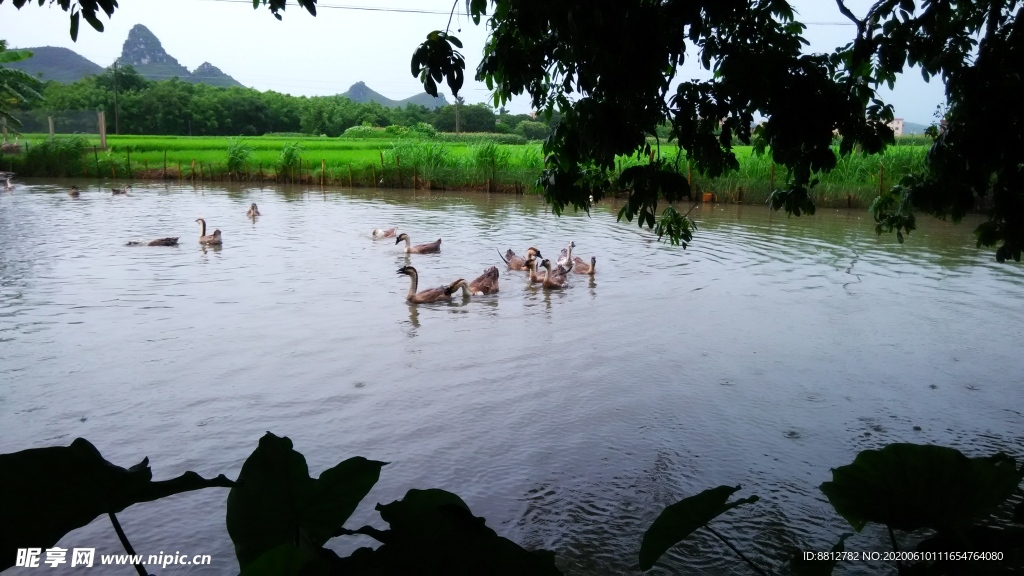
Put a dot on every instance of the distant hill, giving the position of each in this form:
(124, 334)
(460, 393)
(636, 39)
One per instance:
(360, 92)
(912, 128)
(209, 74)
(144, 51)
(60, 64)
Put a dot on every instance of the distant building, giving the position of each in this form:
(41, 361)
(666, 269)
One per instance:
(897, 126)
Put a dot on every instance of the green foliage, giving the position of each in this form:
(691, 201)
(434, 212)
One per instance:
(275, 502)
(532, 130)
(17, 88)
(893, 210)
(909, 487)
(681, 519)
(58, 156)
(437, 58)
(290, 157)
(239, 154)
(472, 118)
(49, 492)
(613, 93)
(475, 138)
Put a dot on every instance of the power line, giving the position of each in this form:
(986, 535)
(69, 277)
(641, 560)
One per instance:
(445, 12)
(360, 8)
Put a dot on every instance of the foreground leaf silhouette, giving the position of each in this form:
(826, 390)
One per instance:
(912, 486)
(433, 532)
(275, 502)
(683, 518)
(47, 492)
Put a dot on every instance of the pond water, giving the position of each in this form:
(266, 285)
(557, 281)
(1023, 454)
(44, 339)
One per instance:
(768, 352)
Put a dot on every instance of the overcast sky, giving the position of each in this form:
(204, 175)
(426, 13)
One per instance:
(352, 40)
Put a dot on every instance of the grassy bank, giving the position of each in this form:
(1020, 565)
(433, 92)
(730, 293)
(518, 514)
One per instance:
(465, 161)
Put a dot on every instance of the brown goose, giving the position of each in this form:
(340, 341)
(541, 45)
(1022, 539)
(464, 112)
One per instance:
(253, 211)
(439, 294)
(486, 283)
(158, 242)
(431, 248)
(379, 233)
(531, 267)
(519, 262)
(212, 238)
(552, 281)
(116, 191)
(73, 192)
(581, 267)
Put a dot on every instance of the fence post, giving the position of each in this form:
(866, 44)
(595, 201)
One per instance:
(50, 119)
(323, 170)
(145, 167)
(96, 156)
(398, 164)
(414, 182)
(200, 171)
(881, 176)
(128, 152)
(165, 165)
(771, 181)
(179, 170)
(349, 174)
(192, 172)
(373, 171)
(261, 171)
(102, 119)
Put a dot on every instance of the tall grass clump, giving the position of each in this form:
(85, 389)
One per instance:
(430, 159)
(239, 154)
(290, 157)
(57, 156)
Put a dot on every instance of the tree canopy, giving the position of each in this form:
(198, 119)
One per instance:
(609, 68)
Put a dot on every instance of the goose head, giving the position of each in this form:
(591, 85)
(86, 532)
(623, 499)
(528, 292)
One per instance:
(533, 251)
(407, 270)
(402, 236)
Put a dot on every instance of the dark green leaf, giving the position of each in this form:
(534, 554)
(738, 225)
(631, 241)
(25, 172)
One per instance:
(276, 502)
(910, 486)
(74, 26)
(434, 532)
(47, 492)
(681, 519)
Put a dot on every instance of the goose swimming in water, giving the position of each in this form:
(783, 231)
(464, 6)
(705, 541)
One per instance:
(552, 281)
(116, 191)
(253, 211)
(486, 283)
(439, 294)
(379, 233)
(581, 267)
(519, 262)
(6, 177)
(431, 248)
(157, 242)
(531, 268)
(73, 192)
(212, 238)
(565, 256)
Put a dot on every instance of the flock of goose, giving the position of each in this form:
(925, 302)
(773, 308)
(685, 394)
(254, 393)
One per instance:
(553, 278)
(487, 283)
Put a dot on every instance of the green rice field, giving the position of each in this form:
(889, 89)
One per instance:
(475, 163)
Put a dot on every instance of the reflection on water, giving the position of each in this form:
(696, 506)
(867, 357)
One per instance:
(769, 351)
